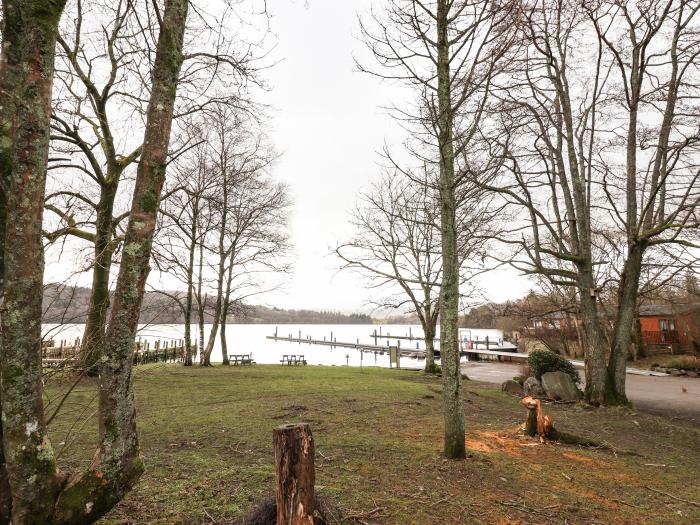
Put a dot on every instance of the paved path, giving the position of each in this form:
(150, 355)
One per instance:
(658, 395)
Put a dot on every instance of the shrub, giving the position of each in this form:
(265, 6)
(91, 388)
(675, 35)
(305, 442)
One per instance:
(436, 369)
(683, 362)
(543, 361)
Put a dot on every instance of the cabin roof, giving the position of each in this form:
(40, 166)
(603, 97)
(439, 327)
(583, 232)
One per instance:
(667, 310)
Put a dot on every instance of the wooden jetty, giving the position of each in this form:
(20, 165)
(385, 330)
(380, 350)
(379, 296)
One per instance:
(473, 354)
(408, 337)
(66, 353)
(476, 343)
(343, 344)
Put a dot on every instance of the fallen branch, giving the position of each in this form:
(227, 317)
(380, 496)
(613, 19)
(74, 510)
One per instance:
(694, 503)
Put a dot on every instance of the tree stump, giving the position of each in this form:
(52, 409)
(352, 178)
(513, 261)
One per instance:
(531, 421)
(536, 423)
(295, 474)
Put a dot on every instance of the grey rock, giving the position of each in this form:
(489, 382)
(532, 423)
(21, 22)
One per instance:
(560, 387)
(692, 373)
(533, 388)
(512, 387)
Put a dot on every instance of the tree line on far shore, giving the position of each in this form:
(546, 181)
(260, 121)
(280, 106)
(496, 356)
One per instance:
(69, 304)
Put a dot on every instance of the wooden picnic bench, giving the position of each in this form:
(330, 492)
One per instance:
(241, 359)
(293, 359)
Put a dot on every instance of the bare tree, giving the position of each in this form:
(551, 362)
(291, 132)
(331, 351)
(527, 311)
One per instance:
(185, 224)
(258, 240)
(447, 51)
(97, 51)
(592, 84)
(106, 51)
(397, 245)
(244, 207)
(40, 493)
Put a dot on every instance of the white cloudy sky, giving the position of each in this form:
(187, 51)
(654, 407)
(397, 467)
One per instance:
(329, 126)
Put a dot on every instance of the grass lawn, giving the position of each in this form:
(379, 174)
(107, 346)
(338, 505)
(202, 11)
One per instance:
(206, 439)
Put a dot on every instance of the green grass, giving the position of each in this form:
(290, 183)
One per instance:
(206, 438)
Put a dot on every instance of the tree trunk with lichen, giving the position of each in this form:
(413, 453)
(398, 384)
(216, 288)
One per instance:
(624, 326)
(26, 76)
(449, 290)
(117, 464)
(96, 319)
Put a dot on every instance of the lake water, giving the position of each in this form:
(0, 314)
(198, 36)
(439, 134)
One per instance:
(251, 338)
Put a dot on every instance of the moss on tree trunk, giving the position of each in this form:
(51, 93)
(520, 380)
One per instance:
(449, 290)
(26, 76)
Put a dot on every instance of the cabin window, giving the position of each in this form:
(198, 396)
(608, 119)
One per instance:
(667, 325)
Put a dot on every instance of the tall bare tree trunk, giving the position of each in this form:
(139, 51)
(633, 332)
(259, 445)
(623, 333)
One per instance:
(201, 302)
(117, 464)
(595, 344)
(26, 76)
(223, 255)
(190, 291)
(5, 490)
(428, 321)
(624, 326)
(449, 290)
(96, 319)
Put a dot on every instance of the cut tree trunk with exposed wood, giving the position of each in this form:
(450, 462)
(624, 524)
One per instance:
(117, 464)
(29, 35)
(454, 447)
(295, 474)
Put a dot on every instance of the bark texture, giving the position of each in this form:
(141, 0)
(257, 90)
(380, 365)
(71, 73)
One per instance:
(26, 76)
(117, 464)
(295, 474)
(449, 290)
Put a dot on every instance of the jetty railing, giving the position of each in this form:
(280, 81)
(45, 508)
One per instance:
(66, 353)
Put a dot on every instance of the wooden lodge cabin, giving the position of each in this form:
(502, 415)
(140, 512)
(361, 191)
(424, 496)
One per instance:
(663, 327)
(673, 327)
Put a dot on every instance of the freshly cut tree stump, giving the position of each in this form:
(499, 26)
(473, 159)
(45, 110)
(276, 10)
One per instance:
(536, 423)
(295, 474)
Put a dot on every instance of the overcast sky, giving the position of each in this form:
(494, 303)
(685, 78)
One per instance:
(329, 126)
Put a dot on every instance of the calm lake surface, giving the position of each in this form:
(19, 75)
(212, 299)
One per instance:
(251, 338)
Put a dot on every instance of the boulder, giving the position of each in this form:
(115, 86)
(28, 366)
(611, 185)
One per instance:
(560, 387)
(512, 387)
(533, 388)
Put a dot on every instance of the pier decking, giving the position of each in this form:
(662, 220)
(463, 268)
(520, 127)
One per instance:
(471, 354)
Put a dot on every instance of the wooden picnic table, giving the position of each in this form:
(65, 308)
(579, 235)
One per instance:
(241, 359)
(293, 359)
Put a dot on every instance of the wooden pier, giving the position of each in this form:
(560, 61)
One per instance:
(472, 354)
(476, 343)
(334, 343)
(66, 353)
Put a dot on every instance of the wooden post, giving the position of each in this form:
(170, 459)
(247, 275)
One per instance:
(295, 474)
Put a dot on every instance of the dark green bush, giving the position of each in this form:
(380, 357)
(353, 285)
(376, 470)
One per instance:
(543, 361)
(437, 369)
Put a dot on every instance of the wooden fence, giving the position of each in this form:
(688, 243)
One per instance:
(62, 353)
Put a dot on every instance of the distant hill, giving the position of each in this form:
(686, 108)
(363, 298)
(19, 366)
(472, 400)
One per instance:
(69, 304)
